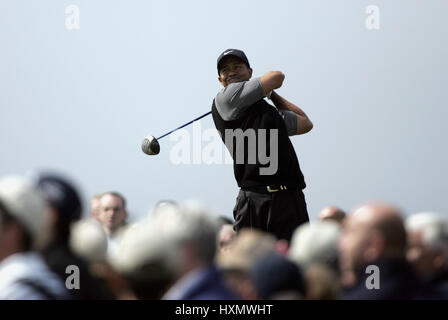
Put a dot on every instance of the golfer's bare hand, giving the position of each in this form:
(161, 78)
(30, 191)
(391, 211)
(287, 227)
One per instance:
(271, 80)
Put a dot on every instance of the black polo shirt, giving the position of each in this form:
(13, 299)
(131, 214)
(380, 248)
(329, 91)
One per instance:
(256, 132)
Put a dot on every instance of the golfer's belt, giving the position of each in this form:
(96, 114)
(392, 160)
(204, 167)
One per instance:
(269, 189)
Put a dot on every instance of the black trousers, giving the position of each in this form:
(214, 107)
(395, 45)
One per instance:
(278, 213)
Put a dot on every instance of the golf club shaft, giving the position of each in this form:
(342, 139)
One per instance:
(184, 125)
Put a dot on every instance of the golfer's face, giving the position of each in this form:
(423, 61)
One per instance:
(233, 70)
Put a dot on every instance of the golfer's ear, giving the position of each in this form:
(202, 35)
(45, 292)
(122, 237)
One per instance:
(250, 73)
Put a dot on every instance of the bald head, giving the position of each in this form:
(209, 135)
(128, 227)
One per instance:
(332, 213)
(372, 232)
(387, 220)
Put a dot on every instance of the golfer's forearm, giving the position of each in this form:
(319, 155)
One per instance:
(282, 103)
(271, 80)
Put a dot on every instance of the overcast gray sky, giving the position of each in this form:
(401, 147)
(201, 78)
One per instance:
(81, 100)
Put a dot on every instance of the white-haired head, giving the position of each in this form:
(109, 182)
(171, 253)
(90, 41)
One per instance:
(316, 243)
(163, 238)
(432, 230)
(198, 228)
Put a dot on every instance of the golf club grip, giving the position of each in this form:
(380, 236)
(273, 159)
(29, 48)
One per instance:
(184, 125)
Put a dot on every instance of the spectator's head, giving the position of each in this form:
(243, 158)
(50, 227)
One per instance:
(427, 243)
(146, 261)
(88, 240)
(64, 205)
(95, 206)
(372, 232)
(332, 213)
(277, 278)
(173, 242)
(163, 203)
(316, 243)
(22, 215)
(226, 235)
(112, 213)
(249, 246)
(240, 257)
(322, 283)
(190, 231)
(314, 247)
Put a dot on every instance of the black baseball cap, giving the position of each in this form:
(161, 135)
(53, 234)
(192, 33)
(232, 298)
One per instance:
(273, 273)
(61, 194)
(233, 52)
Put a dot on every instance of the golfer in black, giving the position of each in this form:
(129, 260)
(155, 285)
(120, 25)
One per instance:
(257, 136)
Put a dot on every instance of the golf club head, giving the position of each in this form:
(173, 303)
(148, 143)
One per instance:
(150, 146)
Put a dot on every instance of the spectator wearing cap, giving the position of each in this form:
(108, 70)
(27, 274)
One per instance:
(145, 262)
(428, 252)
(112, 215)
(89, 241)
(374, 235)
(277, 278)
(23, 273)
(65, 209)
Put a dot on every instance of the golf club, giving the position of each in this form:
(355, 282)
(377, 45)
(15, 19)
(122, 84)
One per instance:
(150, 144)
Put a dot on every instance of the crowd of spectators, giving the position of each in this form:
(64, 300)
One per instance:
(181, 251)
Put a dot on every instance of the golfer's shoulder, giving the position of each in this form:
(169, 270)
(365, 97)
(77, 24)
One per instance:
(229, 91)
(240, 92)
